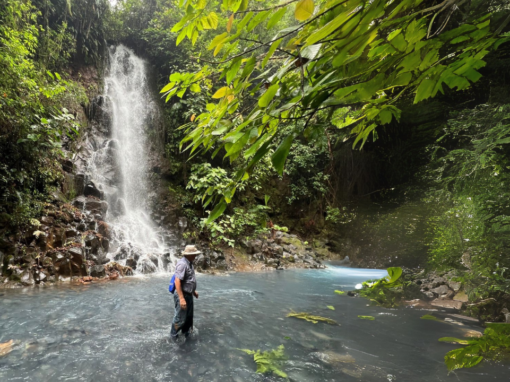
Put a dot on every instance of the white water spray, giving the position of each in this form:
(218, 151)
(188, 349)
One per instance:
(120, 167)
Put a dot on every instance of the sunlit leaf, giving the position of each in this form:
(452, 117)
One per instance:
(304, 10)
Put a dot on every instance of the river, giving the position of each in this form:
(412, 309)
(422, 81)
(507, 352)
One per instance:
(119, 331)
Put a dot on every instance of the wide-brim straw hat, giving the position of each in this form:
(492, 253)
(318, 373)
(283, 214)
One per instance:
(191, 250)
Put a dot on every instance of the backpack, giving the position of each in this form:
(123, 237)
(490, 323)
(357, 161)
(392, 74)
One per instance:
(171, 287)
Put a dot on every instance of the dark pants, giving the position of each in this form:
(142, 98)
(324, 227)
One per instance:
(183, 318)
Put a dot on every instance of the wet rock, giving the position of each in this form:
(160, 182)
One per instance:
(441, 290)
(91, 190)
(96, 206)
(146, 266)
(97, 271)
(27, 278)
(93, 242)
(429, 295)
(200, 261)
(103, 229)
(79, 183)
(131, 263)
(221, 265)
(40, 276)
(105, 244)
(79, 202)
(82, 227)
(438, 281)
(71, 232)
(454, 285)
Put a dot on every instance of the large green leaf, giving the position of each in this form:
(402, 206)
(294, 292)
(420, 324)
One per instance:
(304, 10)
(268, 96)
(276, 17)
(234, 68)
(280, 155)
(270, 53)
(394, 274)
(217, 212)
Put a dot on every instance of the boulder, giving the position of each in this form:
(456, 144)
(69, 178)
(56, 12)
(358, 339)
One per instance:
(448, 304)
(97, 271)
(91, 190)
(79, 202)
(79, 183)
(70, 232)
(131, 263)
(429, 295)
(455, 285)
(27, 278)
(147, 266)
(200, 262)
(441, 290)
(103, 229)
(221, 265)
(461, 296)
(92, 241)
(98, 206)
(438, 281)
(105, 244)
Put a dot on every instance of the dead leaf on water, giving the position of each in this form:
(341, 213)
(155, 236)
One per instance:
(6, 347)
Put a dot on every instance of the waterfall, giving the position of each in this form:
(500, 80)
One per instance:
(120, 166)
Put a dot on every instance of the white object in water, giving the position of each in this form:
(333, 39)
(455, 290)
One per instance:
(358, 286)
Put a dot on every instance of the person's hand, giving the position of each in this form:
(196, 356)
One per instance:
(195, 293)
(183, 304)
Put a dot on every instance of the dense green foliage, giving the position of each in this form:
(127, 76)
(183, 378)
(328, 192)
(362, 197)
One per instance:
(350, 60)
(312, 115)
(493, 345)
(34, 125)
(470, 171)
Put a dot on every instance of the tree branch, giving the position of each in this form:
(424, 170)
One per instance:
(266, 9)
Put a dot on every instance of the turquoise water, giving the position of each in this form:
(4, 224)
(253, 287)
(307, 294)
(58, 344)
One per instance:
(119, 332)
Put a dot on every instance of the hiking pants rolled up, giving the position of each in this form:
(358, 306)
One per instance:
(183, 318)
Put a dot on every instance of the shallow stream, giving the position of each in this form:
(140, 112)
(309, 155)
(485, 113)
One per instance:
(119, 331)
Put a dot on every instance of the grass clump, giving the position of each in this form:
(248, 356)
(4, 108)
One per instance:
(268, 361)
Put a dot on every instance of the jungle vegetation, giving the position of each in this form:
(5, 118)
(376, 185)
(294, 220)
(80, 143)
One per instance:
(381, 127)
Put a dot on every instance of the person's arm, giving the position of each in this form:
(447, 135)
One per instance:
(178, 288)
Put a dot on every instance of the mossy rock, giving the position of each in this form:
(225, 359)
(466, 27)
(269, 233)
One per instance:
(295, 242)
(322, 252)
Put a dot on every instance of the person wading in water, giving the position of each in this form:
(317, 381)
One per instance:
(185, 286)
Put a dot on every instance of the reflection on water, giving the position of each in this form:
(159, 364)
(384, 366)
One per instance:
(119, 332)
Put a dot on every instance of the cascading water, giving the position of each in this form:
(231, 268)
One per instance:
(119, 167)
